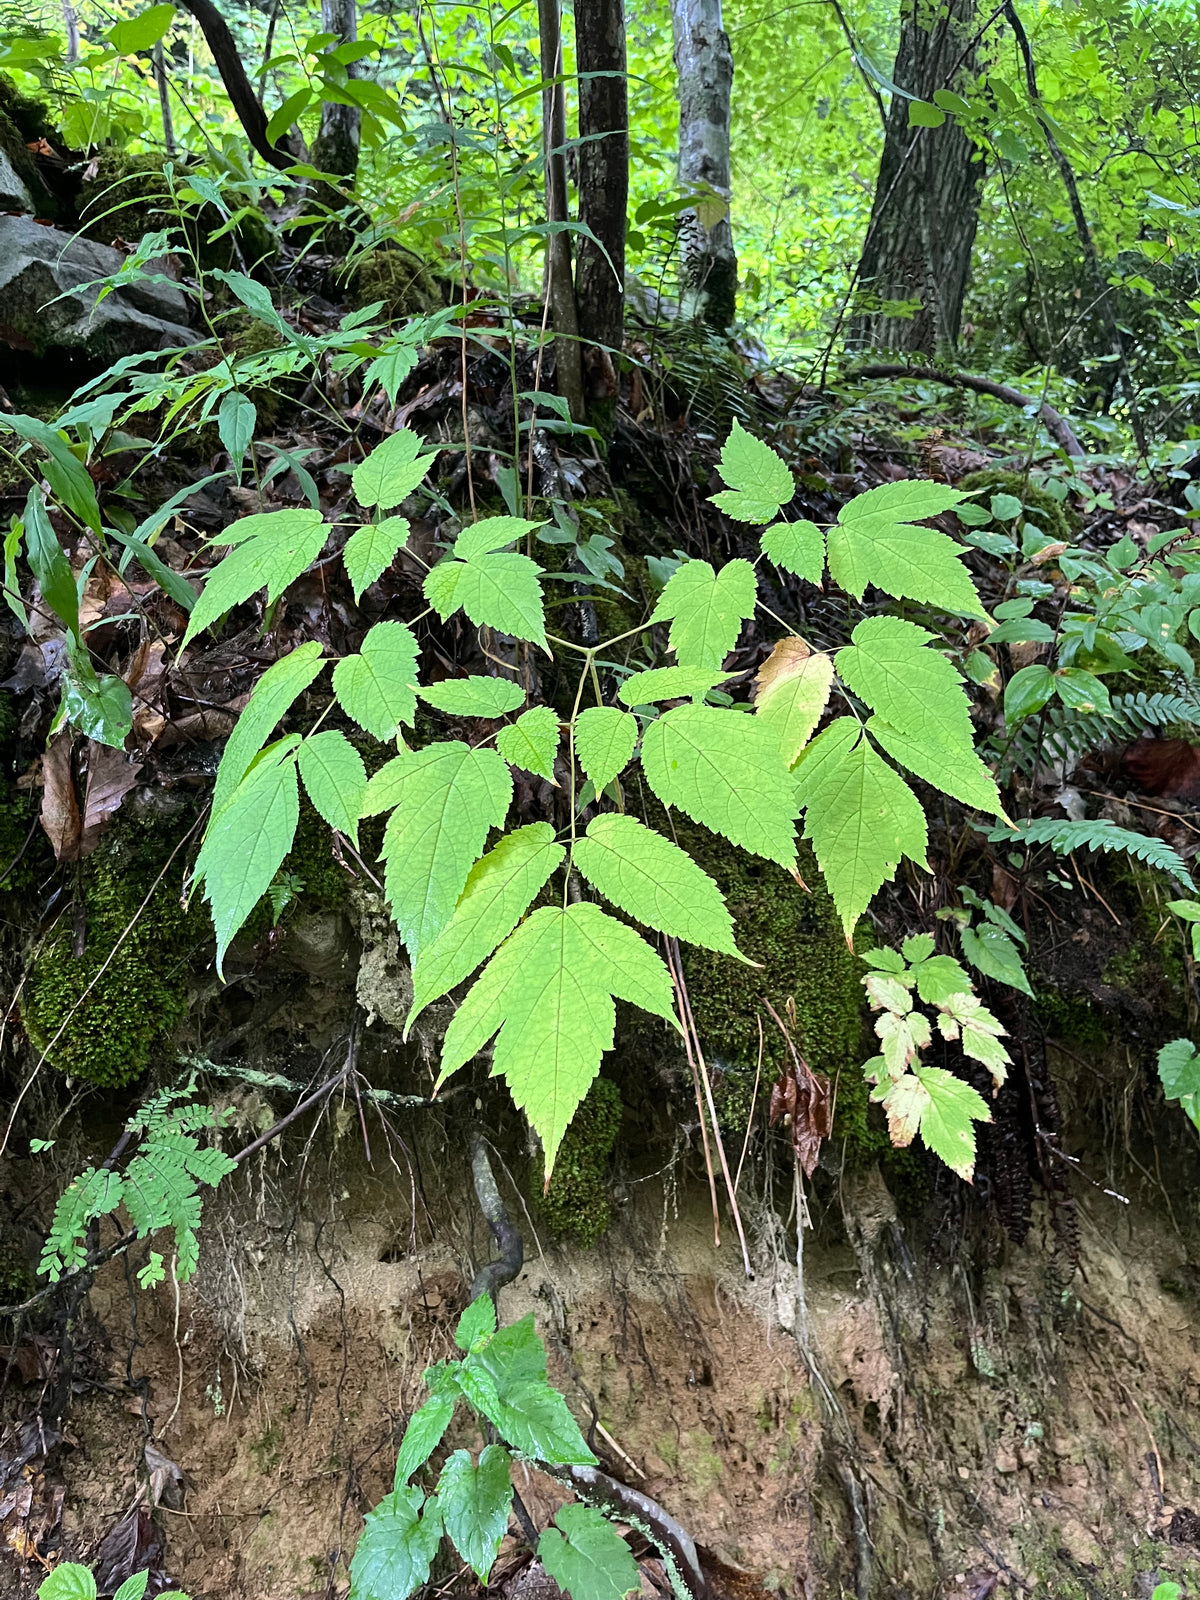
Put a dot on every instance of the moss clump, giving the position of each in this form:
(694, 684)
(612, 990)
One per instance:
(311, 859)
(1050, 515)
(1069, 1016)
(399, 278)
(109, 1030)
(577, 1201)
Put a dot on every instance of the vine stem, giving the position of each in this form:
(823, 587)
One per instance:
(588, 667)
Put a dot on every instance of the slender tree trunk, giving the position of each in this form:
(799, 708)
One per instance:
(237, 85)
(164, 96)
(560, 282)
(922, 229)
(603, 189)
(704, 64)
(71, 23)
(335, 149)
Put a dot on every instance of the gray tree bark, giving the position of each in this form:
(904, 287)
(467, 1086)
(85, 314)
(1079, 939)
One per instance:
(603, 169)
(704, 65)
(335, 149)
(922, 229)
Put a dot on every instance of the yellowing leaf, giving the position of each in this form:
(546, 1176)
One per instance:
(724, 769)
(759, 482)
(531, 742)
(654, 881)
(947, 1124)
(707, 609)
(448, 797)
(604, 741)
(860, 816)
(792, 691)
(549, 991)
(500, 888)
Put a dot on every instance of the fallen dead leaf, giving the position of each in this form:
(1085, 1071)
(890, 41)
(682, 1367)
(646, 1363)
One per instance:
(110, 776)
(61, 818)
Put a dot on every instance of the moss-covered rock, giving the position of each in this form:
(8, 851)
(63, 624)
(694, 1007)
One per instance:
(401, 280)
(112, 1015)
(1053, 517)
(577, 1203)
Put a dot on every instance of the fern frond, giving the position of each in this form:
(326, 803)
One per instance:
(1064, 836)
(1066, 735)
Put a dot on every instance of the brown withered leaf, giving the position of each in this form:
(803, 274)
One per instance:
(801, 1101)
(791, 692)
(786, 659)
(61, 818)
(1169, 769)
(145, 675)
(110, 776)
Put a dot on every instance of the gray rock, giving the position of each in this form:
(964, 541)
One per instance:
(38, 264)
(14, 196)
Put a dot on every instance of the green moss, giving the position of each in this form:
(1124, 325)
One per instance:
(110, 1029)
(577, 1200)
(1069, 1016)
(404, 282)
(311, 859)
(1042, 509)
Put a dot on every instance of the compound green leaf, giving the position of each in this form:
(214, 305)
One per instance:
(604, 741)
(335, 779)
(797, 547)
(861, 816)
(376, 688)
(274, 693)
(725, 770)
(549, 991)
(68, 1581)
(493, 533)
(474, 697)
(270, 550)
(586, 1556)
(873, 543)
(475, 1502)
(391, 471)
(938, 977)
(531, 742)
(992, 952)
(707, 609)
(245, 845)
(791, 693)
(500, 888)
(956, 770)
(370, 551)
(655, 882)
(396, 1547)
(759, 482)
(948, 1121)
(496, 590)
(912, 688)
(668, 683)
(449, 797)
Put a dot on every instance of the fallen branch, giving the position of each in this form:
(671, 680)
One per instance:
(1057, 426)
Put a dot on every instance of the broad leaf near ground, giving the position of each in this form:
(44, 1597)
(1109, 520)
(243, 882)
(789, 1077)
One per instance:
(500, 888)
(549, 991)
(724, 769)
(759, 482)
(791, 692)
(245, 845)
(370, 551)
(707, 610)
(270, 699)
(427, 1424)
(655, 882)
(475, 1502)
(396, 1547)
(873, 543)
(335, 779)
(604, 741)
(668, 683)
(491, 534)
(860, 816)
(270, 550)
(376, 687)
(496, 590)
(1179, 1073)
(992, 952)
(531, 742)
(448, 798)
(68, 1581)
(797, 547)
(474, 697)
(391, 471)
(586, 1556)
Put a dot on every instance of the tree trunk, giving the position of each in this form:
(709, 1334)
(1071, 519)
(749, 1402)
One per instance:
(704, 64)
(922, 229)
(560, 286)
(603, 189)
(336, 147)
(237, 85)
